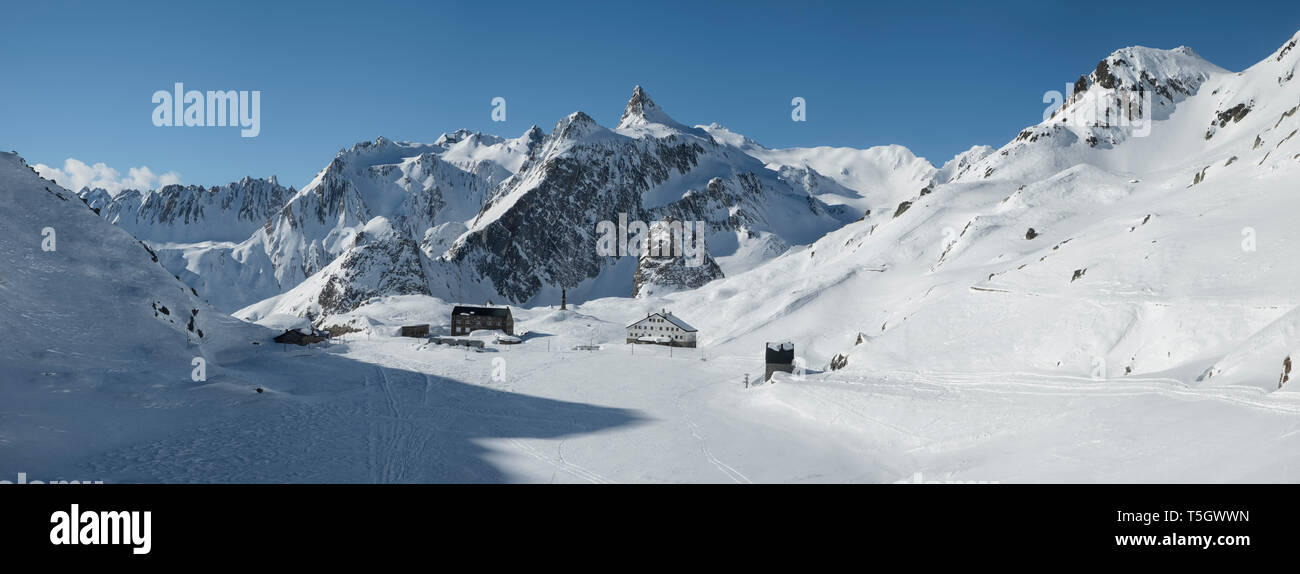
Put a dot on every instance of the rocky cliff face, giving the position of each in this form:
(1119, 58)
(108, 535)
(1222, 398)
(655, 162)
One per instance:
(537, 233)
(670, 262)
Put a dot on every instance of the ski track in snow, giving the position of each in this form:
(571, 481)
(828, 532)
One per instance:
(561, 464)
(1022, 383)
(731, 473)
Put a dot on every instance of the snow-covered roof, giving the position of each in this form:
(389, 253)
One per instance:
(781, 346)
(671, 318)
(674, 319)
(286, 322)
(481, 311)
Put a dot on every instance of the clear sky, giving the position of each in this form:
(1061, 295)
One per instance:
(937, 77)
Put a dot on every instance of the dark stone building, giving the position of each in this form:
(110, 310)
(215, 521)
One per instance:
(780, 357)
(297, 337)
(466, 319)
(415, 331)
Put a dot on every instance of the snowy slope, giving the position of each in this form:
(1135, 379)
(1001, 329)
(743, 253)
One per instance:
(380, 262)
(647, 414)
(867, 179)
(97, 331)
(1136, 263)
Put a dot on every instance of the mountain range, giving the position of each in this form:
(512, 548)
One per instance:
(1110, 237)
(474, 216)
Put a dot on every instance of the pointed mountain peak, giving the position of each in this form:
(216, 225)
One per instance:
(642, 110)
(534, 134)
(1179, 70)
(456, 137)
(576, 126)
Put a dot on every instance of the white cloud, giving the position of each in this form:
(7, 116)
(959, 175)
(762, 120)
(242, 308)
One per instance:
(76, 174)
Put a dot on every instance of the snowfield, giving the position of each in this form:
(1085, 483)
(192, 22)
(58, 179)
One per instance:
(681, 419)
(386, 409)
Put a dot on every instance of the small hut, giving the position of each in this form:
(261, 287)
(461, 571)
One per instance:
(303, 336)
(780, 357)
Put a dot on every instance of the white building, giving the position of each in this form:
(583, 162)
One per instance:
(662, 328)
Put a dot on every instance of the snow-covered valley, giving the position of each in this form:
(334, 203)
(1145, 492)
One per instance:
(376, 408)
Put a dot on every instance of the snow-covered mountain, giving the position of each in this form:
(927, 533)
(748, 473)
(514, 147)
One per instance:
(516, 220)
(98, 334)
(186, 214)
(199, 234)
(864, 179)
(512, 219)
(537, 233)
(1083, 247)
(118, 281)
(426, 191)
(379, 261)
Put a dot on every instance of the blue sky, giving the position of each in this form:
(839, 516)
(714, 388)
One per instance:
(937, 77)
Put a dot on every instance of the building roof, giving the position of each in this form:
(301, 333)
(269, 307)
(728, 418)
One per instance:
(671, 318)
(480, 311)
(677, 321)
